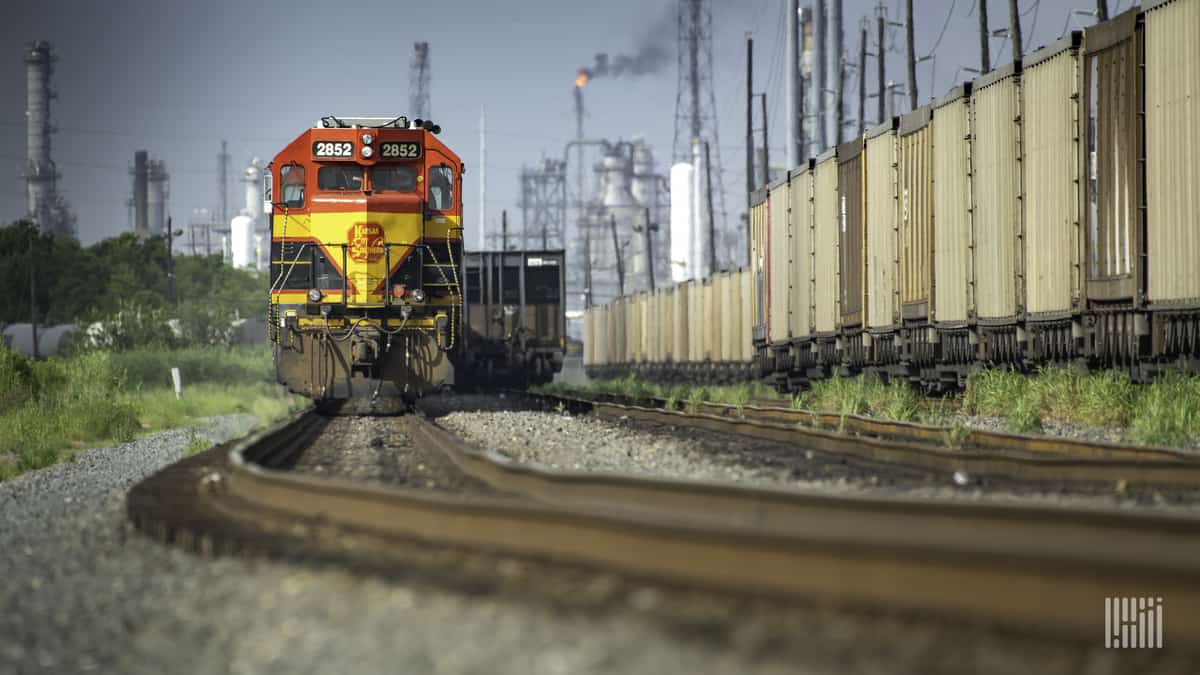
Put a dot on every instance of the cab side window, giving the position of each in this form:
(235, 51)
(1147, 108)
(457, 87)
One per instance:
(291, 182)
(441, 188)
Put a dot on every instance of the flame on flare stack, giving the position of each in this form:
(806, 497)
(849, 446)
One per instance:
(582, 78)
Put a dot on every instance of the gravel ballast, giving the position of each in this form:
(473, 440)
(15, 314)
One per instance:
(381, 450)
(561, 441)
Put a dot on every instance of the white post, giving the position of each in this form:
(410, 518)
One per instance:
(482, 209)
(177, 380)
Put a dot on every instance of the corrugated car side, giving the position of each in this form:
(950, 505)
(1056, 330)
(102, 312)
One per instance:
(1050, 114)
(996, 191)
(1172, 149)
(953, 233)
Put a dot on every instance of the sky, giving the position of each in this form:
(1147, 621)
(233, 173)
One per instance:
(175, 78)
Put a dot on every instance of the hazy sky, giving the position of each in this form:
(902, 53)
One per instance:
(176, 78)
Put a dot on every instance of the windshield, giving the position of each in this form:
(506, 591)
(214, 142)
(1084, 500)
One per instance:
(394, 178)
(340, 177)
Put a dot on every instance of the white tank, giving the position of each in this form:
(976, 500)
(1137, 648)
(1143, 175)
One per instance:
(241, 240)
(682, 201)
(252, 181)
(618, 201)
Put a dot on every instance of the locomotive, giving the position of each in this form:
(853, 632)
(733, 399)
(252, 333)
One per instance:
(366, 248)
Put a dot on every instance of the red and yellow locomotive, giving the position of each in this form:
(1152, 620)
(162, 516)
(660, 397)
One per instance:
(366, 243)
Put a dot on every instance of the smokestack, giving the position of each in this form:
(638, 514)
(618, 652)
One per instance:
(156, 197)
(141, 222)
(40, 172)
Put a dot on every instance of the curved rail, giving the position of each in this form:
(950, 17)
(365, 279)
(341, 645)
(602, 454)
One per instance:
(938, 448)
(1012, 564)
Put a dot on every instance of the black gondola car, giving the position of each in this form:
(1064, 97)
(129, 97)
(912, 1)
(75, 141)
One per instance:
(516, 321)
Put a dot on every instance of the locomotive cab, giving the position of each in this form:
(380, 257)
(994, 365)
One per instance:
(366, 240)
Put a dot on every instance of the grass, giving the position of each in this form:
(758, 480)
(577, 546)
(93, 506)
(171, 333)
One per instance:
(51, 409)
(1165, 412)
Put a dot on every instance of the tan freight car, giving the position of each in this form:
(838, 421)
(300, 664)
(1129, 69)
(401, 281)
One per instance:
(881, 263)
(996, 190)
(916, 224)
(826, 257)
(759, 227)
(1173, 174)
(778, 262)
(1050, 115)
(953, 234)
(953, 237)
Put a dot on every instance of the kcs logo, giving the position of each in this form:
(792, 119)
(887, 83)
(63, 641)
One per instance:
(365, 242)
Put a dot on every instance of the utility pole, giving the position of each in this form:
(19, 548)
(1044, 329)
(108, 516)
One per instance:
(694, 65)
(712, 226)
(985, 55)
(587, 266)
(862, 78)
(911, 54)
(1102, 10)
(839, 117)
(33, 317)
(223, 179)
(766, 171)
(792, 84)
(612, 224)
(819, 74)
(170, 263)
(837, 59)
(504, 230)
(1014, 29)
(749, 121)
(880, 61)
(649, 247)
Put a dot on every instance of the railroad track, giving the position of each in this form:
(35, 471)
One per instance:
(1046, 568)
(926, 447)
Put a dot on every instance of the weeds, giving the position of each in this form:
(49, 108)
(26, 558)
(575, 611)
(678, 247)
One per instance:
(50, 409)
(1166, 412)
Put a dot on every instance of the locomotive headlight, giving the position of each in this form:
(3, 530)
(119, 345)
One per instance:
(367, 138)
(314, 295)
(367, 151)
(418, 295)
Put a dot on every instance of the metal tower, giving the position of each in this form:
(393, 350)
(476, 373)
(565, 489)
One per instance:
(419, 82)
(43, 205)
(544, 204)
(696, 109)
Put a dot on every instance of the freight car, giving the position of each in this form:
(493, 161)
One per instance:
(698, 331)
(366, 245)
(515, 317)
(1047, 211)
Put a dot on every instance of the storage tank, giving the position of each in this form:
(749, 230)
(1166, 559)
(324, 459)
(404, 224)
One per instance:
(252, 182)
(683, 254)
(617, 200)
(241, 240)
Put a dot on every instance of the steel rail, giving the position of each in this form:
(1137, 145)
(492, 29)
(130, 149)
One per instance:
(927, 447)
(1031, 567)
